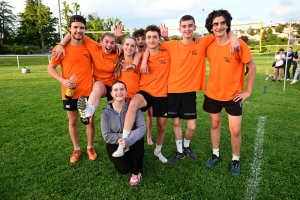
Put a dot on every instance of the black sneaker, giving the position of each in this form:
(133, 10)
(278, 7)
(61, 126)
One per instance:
(82, 106)
(235, 167)
(188, 151)
(212, 161)
(176, 157)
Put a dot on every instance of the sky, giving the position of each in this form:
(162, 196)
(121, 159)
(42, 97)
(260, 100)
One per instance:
(141, 13)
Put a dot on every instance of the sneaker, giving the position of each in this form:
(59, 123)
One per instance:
(120, 151)
(135, 179)
(188, 151)
(212, 161)
(235, 168)
(75, 156)
(160, 156)
(176, 157)
(293, 82)
(279, 80)
(288, 79)
(91, 153)
(82, 106)
(273, 80)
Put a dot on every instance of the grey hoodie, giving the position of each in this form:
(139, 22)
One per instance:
(112, 125)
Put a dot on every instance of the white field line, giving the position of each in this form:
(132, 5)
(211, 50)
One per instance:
(255, 178)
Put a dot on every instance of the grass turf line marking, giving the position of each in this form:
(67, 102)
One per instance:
(255, 178)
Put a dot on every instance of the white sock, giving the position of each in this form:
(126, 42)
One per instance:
(216, 152)
(186, 143)
(125, 133)
(158, 148)
(77, 148)
(91, 110)
(235, 157)
(89, 147)
(179, 145)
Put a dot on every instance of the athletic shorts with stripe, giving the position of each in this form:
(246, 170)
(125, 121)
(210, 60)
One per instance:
(214, 106)
(182, 105)
(159, 104)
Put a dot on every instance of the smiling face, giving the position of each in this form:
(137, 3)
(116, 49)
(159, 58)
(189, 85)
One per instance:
(187, 28)
(108, 43)
(129, 46)
(118, 91)
(219, 26)
(77, 30)
(152, 39)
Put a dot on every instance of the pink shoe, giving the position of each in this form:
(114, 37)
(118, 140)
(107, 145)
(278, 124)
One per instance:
(135, 179)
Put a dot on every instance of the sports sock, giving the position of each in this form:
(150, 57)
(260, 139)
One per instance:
(179, 145)
(235, 157)
(91, 110)
(89, 147)
(77, 148)
(186, 143)
(216, 152)
(125, 133)
(158, 148)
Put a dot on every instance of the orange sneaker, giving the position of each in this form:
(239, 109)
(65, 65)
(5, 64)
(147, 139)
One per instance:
(75, 156)
(91, 153)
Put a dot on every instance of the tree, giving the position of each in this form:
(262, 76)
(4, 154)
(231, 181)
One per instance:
(279, 29)
(37, 25)
(67, 12)
(251, 32)
(7, 23)
(95, 24)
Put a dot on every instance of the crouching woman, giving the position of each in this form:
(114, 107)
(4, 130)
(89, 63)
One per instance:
(112, 122)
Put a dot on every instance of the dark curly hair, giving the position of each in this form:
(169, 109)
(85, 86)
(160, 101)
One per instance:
(218, 13)
(153, 28)
(139, 33)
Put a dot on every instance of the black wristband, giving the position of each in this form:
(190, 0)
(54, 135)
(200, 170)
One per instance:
(61, 45)
(134, 65)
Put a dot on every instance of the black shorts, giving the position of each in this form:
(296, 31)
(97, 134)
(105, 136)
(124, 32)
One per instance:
(214, 106)
(159, 104)
(281, 66)
(108, 95)
(70, 105)
(182, 105)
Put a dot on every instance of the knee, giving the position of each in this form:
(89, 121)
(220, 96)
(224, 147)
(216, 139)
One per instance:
(235, 132)
(161, 128)
(215, 123)
(123, 169)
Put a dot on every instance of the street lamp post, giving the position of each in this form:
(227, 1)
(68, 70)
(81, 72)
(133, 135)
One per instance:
(203, 20)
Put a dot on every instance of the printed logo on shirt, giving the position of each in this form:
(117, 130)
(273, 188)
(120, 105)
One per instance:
(194, 52)
(87, 55)
(227, 59)
(68, 106)
(163, 62)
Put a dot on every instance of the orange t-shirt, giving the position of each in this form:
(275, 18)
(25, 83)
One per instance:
(132, 81)
(156, 81)
(227, 71)
(78, 62)
(104, 64)
(188, 68)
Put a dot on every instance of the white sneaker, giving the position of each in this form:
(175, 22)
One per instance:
(160, 156)
(288, 79)
(293, 82)
(83, 108)
(120, 151)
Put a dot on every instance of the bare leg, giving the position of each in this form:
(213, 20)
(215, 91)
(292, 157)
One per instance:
(149, 121)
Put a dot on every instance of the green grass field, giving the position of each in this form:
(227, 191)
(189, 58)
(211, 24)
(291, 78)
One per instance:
(35, 147)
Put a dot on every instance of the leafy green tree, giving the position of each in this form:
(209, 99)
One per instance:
(251, 32)
(272, 38)
(175, 37)
(7, 23)
(67, 12)
(279, 29)
(37, 25)
(97, 25)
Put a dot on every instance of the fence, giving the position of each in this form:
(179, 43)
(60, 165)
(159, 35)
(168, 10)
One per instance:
(5, 59)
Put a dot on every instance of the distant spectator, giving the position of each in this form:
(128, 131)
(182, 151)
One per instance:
(289, 58)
